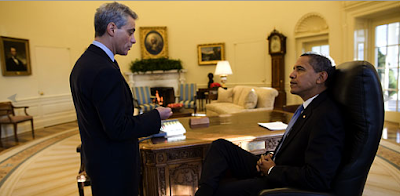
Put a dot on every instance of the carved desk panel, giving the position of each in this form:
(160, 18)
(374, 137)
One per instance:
(174, 168)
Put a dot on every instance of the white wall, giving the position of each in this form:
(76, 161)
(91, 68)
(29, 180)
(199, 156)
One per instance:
(241, 25)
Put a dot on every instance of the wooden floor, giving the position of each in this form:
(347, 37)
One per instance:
(54, 172)
(23, 138)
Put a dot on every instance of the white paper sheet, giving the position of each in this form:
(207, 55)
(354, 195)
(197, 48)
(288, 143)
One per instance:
(274, 126)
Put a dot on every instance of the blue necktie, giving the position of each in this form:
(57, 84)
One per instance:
(289, 127)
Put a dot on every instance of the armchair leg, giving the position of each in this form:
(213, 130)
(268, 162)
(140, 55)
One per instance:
(15, 132)
(81, 186)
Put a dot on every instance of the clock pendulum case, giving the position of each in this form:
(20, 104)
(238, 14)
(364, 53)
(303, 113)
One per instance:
(277, 50)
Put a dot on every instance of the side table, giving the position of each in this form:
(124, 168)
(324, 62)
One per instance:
(201, 96)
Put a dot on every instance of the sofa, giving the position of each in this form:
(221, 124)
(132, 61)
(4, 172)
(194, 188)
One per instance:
(242, 99)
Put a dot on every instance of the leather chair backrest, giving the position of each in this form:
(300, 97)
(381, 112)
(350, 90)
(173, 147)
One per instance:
(6, 108)
(356, 87)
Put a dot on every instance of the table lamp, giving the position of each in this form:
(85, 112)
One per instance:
(223, 69)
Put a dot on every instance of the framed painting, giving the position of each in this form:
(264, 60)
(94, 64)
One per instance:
(210, 54)
(153, 42)
(15, 57)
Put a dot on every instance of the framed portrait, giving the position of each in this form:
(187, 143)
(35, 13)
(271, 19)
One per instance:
(210, 54)
(153, 42)
(15, 57)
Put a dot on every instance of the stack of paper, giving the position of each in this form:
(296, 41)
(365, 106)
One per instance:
(273, 126)
(171, 131)
(172, 128)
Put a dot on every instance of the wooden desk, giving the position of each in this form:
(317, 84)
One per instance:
(174, 168)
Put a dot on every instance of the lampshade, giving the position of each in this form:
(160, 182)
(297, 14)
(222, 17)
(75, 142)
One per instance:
(223, 68)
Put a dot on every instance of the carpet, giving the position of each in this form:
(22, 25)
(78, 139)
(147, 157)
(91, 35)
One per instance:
(49, 166)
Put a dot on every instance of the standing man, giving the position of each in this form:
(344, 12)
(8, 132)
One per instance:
(104, 106)
(309, 153)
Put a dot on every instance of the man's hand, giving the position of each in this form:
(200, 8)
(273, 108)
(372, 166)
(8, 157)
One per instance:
(164, 112)
(264, 163)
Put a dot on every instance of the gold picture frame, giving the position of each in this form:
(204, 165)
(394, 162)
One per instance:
(15, 56)
(153, 42)
(210, 54)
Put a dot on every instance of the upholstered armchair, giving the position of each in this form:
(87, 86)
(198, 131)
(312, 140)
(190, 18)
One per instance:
(187, 95)
(357, 89)
(7, 116)
(143, 99)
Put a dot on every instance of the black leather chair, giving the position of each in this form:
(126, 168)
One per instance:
(357, 88)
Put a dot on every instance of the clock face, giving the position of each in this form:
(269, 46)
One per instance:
(275, 44)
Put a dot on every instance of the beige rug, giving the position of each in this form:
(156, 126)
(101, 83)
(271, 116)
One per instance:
(45, 167)
(49, 166)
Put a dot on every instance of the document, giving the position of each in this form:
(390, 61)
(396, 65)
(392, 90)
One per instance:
(274, 126)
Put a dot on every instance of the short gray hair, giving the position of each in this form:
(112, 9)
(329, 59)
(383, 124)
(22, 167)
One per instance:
(321, 63)
(111, 12)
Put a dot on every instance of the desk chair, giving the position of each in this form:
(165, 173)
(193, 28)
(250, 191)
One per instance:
(82, 178)
(7, 116)
(187, 95)
(143, 99)
(357, 88)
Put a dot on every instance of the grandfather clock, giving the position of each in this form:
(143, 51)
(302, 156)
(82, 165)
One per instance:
(277, 50)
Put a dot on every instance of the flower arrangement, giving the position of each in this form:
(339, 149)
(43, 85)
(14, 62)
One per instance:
(215, 85)
(175, 105)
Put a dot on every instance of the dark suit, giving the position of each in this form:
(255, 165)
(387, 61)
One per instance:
(308, 159)
(12, 66)
(108, 129)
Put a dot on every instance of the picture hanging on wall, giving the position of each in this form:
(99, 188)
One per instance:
(153, 42)
(15, 57)
(210, 54)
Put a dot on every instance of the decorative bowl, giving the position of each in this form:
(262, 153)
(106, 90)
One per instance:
(175, 107)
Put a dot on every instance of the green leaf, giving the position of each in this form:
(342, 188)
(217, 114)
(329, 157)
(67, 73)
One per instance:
(163, 64)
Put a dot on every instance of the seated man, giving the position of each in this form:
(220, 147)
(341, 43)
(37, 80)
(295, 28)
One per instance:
(309, 153)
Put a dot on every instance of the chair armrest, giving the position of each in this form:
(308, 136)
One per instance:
(291, 191)
(79, 148)
(19, 107)
(136, 103)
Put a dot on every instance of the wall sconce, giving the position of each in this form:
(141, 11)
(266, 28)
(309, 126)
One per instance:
(223, 69)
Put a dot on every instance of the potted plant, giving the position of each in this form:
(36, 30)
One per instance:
(163, 64)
